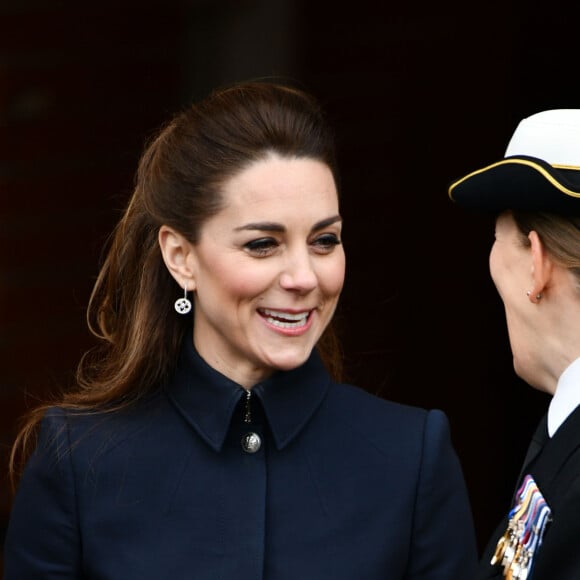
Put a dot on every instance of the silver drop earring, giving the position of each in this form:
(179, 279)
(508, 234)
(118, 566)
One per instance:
(183, 305)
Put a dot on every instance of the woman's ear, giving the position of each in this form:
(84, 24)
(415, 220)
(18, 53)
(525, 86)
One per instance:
(178, 255)
(542, 267)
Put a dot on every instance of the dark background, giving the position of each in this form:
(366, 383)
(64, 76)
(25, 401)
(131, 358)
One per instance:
(420, 93)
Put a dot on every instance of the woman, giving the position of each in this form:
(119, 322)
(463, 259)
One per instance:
(207, 439)
(535, 265)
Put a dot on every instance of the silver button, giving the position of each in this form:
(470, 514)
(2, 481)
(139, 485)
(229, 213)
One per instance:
(251, 442)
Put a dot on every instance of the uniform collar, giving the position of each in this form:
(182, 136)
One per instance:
(207, 399)
(566, 398)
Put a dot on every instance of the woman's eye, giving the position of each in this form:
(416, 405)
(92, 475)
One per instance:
(326, 242)
(262, 246)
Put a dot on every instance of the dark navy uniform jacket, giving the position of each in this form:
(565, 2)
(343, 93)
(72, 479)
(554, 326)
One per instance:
(556, 470)
(345, 486)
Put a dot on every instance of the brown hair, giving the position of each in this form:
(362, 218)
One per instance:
(178, 183)
(559, 234)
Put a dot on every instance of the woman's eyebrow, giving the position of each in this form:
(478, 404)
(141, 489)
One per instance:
(276, 227)
(262, 226)
(326, 222)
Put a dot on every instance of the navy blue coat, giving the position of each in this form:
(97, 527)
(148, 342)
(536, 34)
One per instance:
(345, 486)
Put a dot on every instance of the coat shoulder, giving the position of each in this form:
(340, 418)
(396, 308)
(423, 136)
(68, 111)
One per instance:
(385, 418)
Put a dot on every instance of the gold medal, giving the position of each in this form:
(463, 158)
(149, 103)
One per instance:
(500, 549)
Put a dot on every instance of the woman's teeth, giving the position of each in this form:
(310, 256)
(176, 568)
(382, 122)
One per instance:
(285, 319)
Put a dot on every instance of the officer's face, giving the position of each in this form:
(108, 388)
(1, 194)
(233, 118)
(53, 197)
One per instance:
(510, 265)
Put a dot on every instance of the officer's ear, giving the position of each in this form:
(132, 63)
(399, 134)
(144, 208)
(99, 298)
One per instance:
(542, 267)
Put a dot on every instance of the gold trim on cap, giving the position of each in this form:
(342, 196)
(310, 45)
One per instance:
(529, 163)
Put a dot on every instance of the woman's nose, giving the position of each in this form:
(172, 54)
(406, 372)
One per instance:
(299, 274)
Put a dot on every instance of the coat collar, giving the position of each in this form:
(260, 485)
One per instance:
(207, 399)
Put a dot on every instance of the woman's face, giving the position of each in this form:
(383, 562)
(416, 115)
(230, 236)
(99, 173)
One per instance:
(510, 265)
(268, 269)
